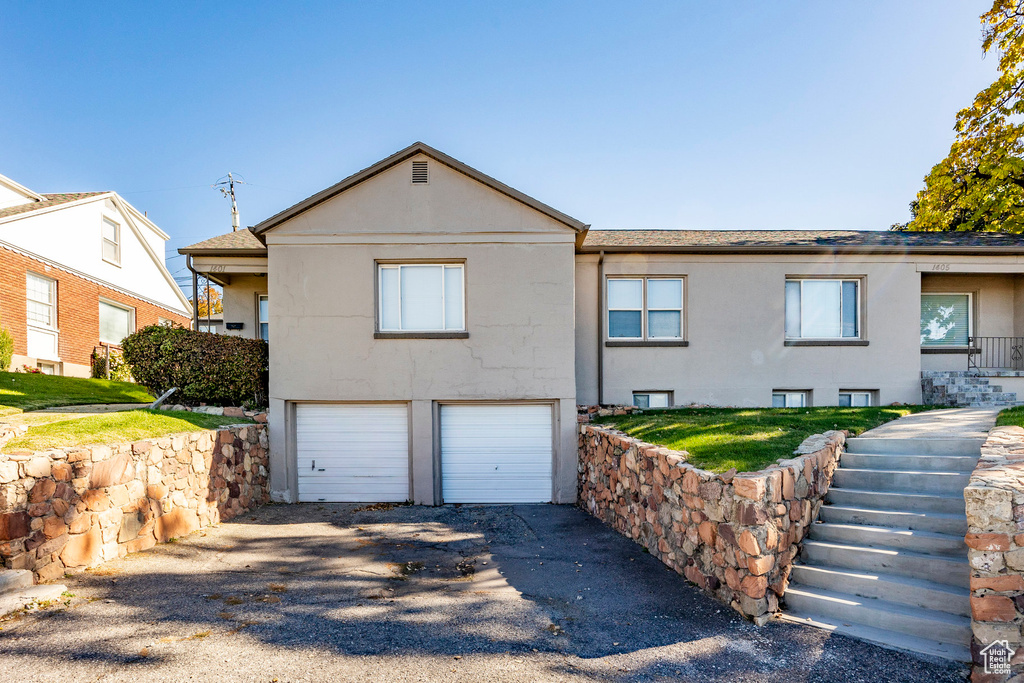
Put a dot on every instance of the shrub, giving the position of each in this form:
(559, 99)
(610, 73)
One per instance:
(207, 368)
(6, 349)
(119, 369)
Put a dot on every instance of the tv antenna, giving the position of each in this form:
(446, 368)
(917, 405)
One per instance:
(226, 185)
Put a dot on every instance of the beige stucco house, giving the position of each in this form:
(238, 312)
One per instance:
(432, 330)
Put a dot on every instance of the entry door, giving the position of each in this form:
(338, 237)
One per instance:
(352, 453)
(496, 453)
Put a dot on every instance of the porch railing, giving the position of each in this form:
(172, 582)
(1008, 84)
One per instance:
(995, 353)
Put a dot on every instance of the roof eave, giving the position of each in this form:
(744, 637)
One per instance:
(992, 251)
(222, 252)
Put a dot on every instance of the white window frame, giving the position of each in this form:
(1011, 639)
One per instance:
(644, 310)
(970, 319)
(667, 394)
(116, 243)
(52, 303)
(857, 392)
(131, 321)
(805, 398)
(859, 281)
(444, 329)
(260, 298)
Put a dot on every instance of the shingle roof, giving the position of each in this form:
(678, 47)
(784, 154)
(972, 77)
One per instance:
(798, 240)
(238, 242)
(50, 200)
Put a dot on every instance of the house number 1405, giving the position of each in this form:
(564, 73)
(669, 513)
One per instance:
(940, 266)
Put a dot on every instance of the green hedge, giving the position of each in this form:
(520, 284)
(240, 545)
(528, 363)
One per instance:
(207, 368)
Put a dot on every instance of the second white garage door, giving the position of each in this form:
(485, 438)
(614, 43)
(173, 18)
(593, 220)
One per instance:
(496, 453)
(352, 453)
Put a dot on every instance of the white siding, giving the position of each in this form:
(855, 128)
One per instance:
(352, 453)
(496, 453)
(71, 237)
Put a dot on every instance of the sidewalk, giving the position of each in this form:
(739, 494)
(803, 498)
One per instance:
(953, 423)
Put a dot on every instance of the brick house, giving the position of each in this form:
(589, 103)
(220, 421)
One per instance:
(79, 271)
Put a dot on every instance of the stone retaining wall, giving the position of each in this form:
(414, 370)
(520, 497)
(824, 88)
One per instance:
(734, 535)
(995, 539)
(76, 507)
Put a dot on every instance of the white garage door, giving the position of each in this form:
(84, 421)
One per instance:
(352, 453)
(496, 453)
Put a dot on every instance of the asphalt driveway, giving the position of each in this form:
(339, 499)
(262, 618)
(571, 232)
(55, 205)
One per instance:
(338, 593)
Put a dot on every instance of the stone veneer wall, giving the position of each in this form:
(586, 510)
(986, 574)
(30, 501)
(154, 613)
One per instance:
(995, 539)
(77, 507)
(735, 535)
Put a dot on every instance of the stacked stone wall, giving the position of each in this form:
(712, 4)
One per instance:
(71, 508)
(733, 535)
(995, 539)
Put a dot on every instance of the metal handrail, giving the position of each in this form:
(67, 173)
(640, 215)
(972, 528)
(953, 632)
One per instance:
(995, 353)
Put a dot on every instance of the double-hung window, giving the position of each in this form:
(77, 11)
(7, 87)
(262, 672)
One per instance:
(421, 297)
(263, 316)
(647, 308)
(116, 322)
(945, 320)
(822, 309)
(111, 238)
(41, 295)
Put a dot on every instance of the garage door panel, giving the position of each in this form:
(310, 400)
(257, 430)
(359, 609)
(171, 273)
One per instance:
(496, 453)
(352, 453)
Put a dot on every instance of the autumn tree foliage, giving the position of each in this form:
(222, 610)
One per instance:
(979, 186)
(211, 295)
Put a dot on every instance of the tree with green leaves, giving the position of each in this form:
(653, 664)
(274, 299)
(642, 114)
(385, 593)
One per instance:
(979, 186)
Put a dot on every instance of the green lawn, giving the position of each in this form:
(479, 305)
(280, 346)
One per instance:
(1011, 416)
(129, 425)
(748, 439)
(29, 391)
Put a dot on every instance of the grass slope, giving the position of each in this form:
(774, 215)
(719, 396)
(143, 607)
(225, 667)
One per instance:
(1010, 417)
(129, 425)
(748, 439)
(29, 391)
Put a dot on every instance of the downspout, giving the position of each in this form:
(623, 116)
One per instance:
(600, 329)
(195, 289)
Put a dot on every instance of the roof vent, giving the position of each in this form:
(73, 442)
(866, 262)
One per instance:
(419, 173)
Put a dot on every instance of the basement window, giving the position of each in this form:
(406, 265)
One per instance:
(855, 399)
(789, 399)
(652, 399)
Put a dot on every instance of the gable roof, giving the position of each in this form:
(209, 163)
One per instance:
(397, 158)
(800, 241)
(18, 188)
(238, 242)
(47, 201)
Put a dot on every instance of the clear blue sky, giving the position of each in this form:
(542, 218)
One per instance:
(658, 115)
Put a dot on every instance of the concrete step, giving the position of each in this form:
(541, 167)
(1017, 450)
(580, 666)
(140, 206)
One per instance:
(901, 480)
(938, 522)
(27, 597)
(888, 639)
(915, 446)
(889, 500)
(925, 542)
(891, 616)
(15, 579)
(920, 463)
(945, 569)
(904, 590)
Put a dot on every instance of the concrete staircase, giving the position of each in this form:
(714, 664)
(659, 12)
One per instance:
(962, 389)
(886, 561)
(18, 590)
